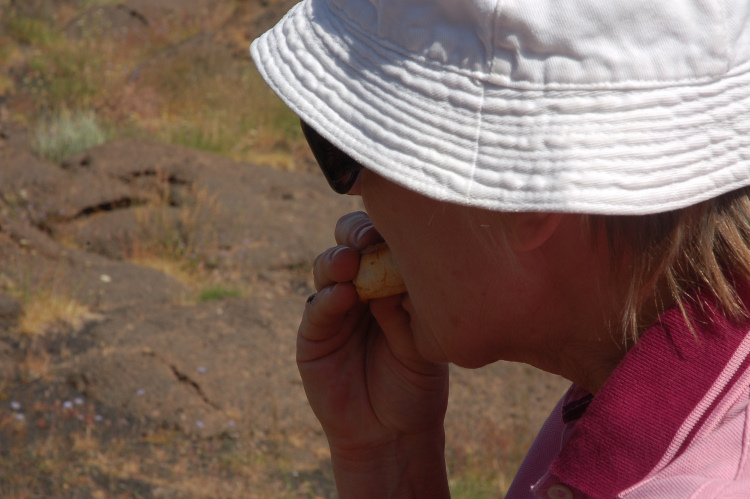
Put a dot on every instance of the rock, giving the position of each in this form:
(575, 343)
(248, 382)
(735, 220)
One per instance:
(208, 369)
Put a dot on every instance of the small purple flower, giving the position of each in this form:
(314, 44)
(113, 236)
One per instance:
(202, 369)
(199, 424)
(67, 404)
(20, 416)
(15, 405)
(78, 401)
(141, 392)
(98, 418)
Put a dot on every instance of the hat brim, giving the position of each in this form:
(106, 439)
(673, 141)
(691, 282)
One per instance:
(455, 136)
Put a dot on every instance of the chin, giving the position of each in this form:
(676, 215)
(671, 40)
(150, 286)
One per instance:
(475, 364)
(473, 357)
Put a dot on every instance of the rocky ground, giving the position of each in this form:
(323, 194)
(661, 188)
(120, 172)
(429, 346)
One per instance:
(149, 299)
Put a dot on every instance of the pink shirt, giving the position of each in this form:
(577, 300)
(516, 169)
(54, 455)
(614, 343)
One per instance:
(672, 421)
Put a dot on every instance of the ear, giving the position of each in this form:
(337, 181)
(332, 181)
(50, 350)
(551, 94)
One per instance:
(532, 230)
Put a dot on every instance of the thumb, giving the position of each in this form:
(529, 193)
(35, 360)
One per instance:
(395, 322)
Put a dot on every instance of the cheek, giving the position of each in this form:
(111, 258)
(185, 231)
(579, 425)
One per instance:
(378, 198)
(446, 330)
(460, 310)
(441, 302)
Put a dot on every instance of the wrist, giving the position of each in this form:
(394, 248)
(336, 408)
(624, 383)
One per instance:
(409, 466)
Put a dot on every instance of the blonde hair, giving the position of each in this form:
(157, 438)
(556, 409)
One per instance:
(705, 245)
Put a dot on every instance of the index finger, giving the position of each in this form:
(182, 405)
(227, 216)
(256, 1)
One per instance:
(325, 318)
(356, 230)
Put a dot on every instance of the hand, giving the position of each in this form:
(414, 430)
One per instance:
(372, 391)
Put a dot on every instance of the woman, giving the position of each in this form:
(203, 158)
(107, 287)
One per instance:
(562, 184)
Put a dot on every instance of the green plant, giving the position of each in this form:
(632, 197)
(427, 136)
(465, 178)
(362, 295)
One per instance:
(66, 133)
(27, 30)
(210, 133)
(87, 4)
(217, 292)
(474, 487)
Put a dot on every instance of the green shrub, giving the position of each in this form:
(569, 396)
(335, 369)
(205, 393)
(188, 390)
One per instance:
(66, 133)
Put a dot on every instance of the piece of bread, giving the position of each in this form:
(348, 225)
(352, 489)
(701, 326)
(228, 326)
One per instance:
(378, 274)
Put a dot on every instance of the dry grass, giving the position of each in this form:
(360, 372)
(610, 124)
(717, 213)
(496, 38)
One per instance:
(46, 310)
(182, 242)
(172, 268)
(48, 301)
(179, 241)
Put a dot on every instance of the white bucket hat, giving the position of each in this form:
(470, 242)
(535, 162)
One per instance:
(611, 107)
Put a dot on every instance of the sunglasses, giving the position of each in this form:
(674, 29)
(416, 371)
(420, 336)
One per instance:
(340, 170)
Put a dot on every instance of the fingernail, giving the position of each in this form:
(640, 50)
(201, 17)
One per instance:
(361, 232)
(335, 252)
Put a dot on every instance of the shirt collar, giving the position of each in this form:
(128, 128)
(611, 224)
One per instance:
(634, 419)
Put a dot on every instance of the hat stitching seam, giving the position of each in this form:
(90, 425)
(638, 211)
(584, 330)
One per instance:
(436, 67)
(505, 81)
(364, 98)
(637, 138)
(610, 159)
(562, 126)
(582, 127)
(316, 110)
(724, 16)
(477, 138)
(577, 130)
